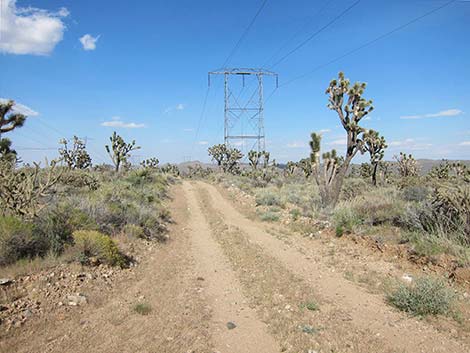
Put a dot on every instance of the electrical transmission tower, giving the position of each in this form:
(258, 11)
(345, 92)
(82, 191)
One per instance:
(244, 115)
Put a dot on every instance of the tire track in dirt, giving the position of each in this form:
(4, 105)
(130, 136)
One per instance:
(366, 311)
(178, 322)
(223, 291)
(284, 301)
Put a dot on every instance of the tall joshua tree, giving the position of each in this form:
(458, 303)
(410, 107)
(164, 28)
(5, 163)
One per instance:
(348, 102)
(120, 151)
(253, 157)
(9, 120)
(375, 145)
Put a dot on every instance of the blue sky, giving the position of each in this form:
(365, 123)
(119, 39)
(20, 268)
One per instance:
(140, 68)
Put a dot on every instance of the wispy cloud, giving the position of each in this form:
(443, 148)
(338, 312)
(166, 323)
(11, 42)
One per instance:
(324, 131)
(441, 114)
(188, 130)
(179, 106)
(28, 30)
(21, 108)
(89, 42)
(118, 123)
(464, 143)
(409, 144)
(203, 143)
(296, 144)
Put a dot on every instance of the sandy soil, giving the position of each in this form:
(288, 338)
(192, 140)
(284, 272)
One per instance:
(224, 283)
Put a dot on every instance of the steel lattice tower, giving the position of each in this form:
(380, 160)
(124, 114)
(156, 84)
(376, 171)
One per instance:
(237, 111)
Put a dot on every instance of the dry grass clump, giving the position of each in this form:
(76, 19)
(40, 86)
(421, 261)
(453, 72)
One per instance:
(426, 296)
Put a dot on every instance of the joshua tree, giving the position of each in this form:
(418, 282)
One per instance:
(253, 157)
(226, 158)
(331, 163)
(231, 162)
(375, 145)
(151, 163)
(290, 167)
(306, 165)
(6, 152)
(120, 150)
(8, 122)
(266, 155)
(217, 153)
(407, 165)
(348, 102)
(76, 157)
(8, 119)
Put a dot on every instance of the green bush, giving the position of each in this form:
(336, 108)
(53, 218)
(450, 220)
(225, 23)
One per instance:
(56, 224)
(353, 187)
(345, 219)
(134, 231)
(93, 244)
(426, 296)
(268, 198)
(381, 206)
(18, 240)
(417, 193)
(269, 216)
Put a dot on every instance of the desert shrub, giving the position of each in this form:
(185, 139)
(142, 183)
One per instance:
(353, 187)
(268, 198)
(445, 214)
(79, 179)
(380, 206)
(57, 223)
(142, 308)
(18, 240)
(416, 193)
(426, 296)
(269, 216)
(93, 244)
(295, 213)
(133, 231)
(345, 219)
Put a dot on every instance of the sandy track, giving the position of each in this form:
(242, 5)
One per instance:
(178, 322)
(224, 291)
(366, 311)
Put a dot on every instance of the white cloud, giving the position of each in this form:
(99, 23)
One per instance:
(203, 143)
(179, 106)
(464, 143)
(443, 113)
(88, 42)
(324, 131)
(21, 108)
(188, 130)
(409, 144)
(296, 144)
(28, 30)
(118, 123)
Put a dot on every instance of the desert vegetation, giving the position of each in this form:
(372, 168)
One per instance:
(74, 210)
(389, 202)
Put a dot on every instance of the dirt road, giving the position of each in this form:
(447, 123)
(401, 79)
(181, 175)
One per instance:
(225, 284)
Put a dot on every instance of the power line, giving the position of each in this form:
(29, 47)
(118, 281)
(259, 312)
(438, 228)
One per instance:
(245, 32)
(303, 43)
(296, 34)
(373, 41)
(202, 114)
